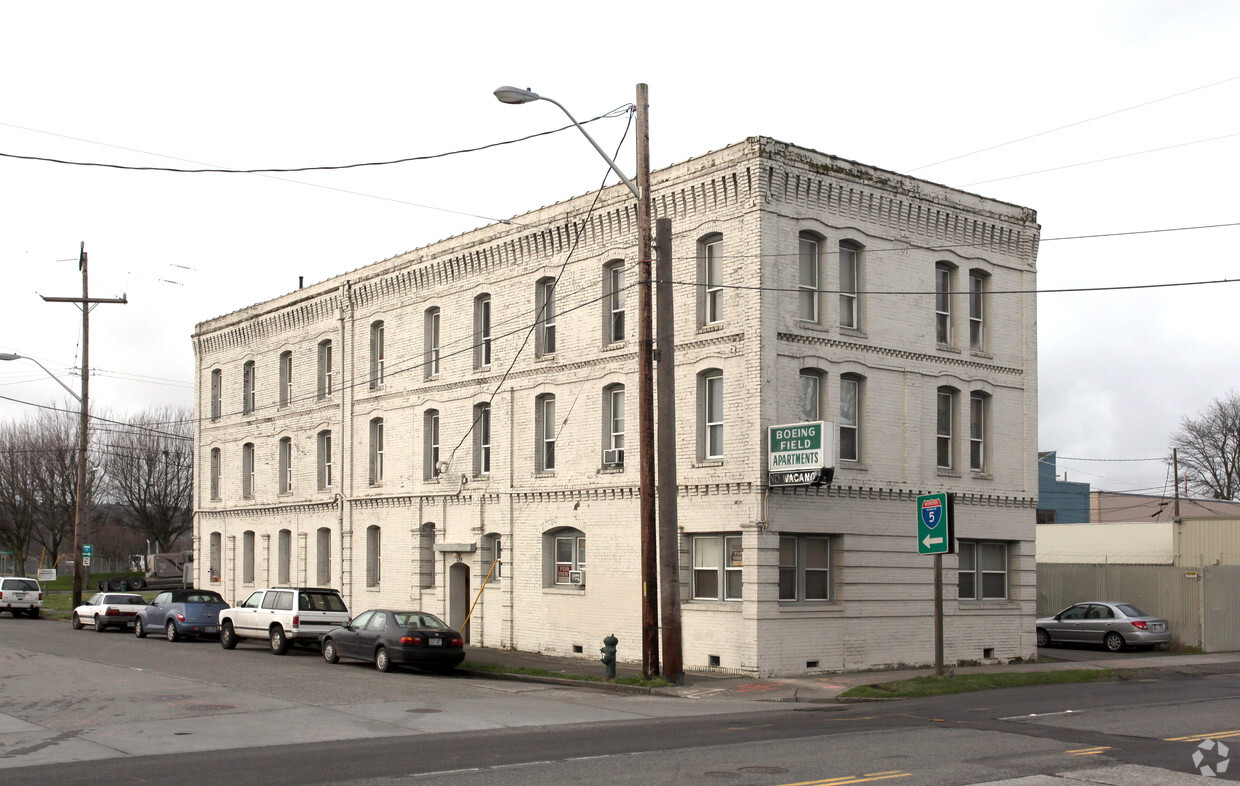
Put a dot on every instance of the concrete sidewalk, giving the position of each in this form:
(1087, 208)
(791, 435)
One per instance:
(809, 688)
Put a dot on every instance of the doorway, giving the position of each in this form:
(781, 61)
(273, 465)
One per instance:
(458, 597)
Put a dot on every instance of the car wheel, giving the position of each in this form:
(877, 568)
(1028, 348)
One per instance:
(171, 631)
(382, 661)
(228, 636)
(1113, 642)
(99, 626)
(279, 642)
(1044, 638)
(139, 629)
(329, 651)
(34, 613)
(114, 585)
(136, 583)
(76, 622)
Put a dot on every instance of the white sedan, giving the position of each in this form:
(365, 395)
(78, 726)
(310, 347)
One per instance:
(109, 610)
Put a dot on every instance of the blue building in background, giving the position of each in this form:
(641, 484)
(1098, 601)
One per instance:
(1060, 501)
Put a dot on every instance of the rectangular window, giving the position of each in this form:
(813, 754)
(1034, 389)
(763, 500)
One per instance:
(717, 564)
(286, 465)
(943, 305)
(809, 397)
(483, 431)
(714, 416)
(850, 259)
(482, 325)
(432, 343)
(217, 394)
(284, 555)
(247, 557)
(247, 469)
(247, 388)
(325, 369)
(325, 460)
(376, 451)
(712, 278)
(977, 312)
(215, 473)
(617, 418)
(945, 449)
(615, 303)
(977, 432)
(286, 378)
(850, 419)
(983, 573)
(570, 555)
(432, 442)
(547, 433)
(373, 561)
(546, 317)
(807, 303)
(323, 556)
(376, 356)
(804, 567)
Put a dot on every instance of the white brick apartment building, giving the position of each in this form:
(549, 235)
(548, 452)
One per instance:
(414, 429)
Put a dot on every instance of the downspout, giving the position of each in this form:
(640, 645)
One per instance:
(345, 315)
(512, 480)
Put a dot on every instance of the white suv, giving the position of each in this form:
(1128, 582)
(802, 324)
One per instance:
(283, 615)
(18, 594)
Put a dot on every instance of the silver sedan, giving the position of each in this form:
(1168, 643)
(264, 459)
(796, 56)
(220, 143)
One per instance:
(1113, 625)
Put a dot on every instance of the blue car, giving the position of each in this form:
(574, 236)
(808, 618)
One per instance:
(181, 613)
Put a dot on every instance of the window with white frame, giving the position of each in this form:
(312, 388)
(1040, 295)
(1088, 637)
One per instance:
(286, 378)
(710, 275)
(376, 451)
(613, 423)
(613, 301)
(545, 428)
(544, 301)
(717, 563)
(568, 557)
(850, 417)
(711, 408)
(426, 555)
(809, 275)
(373, 560)
(285, 481)
(482, 331)
(850, 278)
(430, 444)
(977, 310)
(217, 394)
(247, 557)
(493, 553)
(325, 369)
(809, 396)
(945, 429)
(431, 341)
(323, 556)
(804, 567)
(482, 439)
(983, 573)
(376, 354)
(325, 460)
(247, 470)
(979, 404)
(944, 274)
(247, 387)
(284, 556)
(215, 473)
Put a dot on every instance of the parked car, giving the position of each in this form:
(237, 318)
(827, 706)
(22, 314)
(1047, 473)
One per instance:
(283, 615)
(108, 610)
(181, 612)
(18, 594)
(396, 638)
(1113, 625)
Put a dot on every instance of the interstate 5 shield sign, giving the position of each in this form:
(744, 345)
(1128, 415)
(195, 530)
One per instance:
(934, 525)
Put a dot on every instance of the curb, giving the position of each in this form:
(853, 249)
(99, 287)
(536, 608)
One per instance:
(566, 682)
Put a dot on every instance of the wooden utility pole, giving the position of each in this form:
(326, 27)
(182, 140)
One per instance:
(645, 397)
(79, 506)
(669, 535)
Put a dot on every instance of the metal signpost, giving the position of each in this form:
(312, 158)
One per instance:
(802, 454)
(936, 534)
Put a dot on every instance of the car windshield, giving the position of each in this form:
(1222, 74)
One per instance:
(321, 601)
(125, 600)
(1130, 610)
(415, 619)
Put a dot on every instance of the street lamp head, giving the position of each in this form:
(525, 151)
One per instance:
(515, 95)
(10, 356)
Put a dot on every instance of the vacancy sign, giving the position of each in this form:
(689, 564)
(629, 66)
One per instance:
(802, 454)
(934, 524)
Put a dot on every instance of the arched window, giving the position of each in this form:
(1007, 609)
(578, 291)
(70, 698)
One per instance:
(482, 331)
(247, 557)
(372, 556)
(564, 557)
(613, 301)
(376, 354)
(544, 303)
(284, 556)
(850, 284)
(215, 473)
(286, 378)
(376, 451)
(482, 439)
(215, 562)
(979, 283)
(944, 286)
(851, 389)
(286, 465)
(325, 460)
(431, 342)
(493, 555)
(325, 369)
(809, 395)
(979, 431)
(545, 427)
(323, 556)
(809, 276)
(217, 394)
(430, 444)
(248, 383)
(945, 434)
(247, 470)
(711, 279)
(710, 414)
(613, 425)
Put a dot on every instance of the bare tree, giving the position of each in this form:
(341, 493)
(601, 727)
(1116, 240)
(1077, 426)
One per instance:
(150, 475)
(55, 450)
(18, 521)
(1208, 448)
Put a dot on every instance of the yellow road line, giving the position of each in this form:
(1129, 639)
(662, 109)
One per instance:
(1091, 751)
(1213, 736)
(871, 776)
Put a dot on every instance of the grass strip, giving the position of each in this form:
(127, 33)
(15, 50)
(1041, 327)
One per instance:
(918, 687)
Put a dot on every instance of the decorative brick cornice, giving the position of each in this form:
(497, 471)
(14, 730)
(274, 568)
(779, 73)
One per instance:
(902, 354)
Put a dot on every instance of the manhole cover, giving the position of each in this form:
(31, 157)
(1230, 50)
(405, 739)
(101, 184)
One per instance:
(209, 707)
(764, 770)
(423, 710)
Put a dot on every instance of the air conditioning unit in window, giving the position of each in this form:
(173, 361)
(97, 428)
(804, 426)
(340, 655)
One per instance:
(613, 458)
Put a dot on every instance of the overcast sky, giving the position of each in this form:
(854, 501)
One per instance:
(902, 86)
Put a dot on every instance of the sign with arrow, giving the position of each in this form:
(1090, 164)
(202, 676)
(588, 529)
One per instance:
(935, 527)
